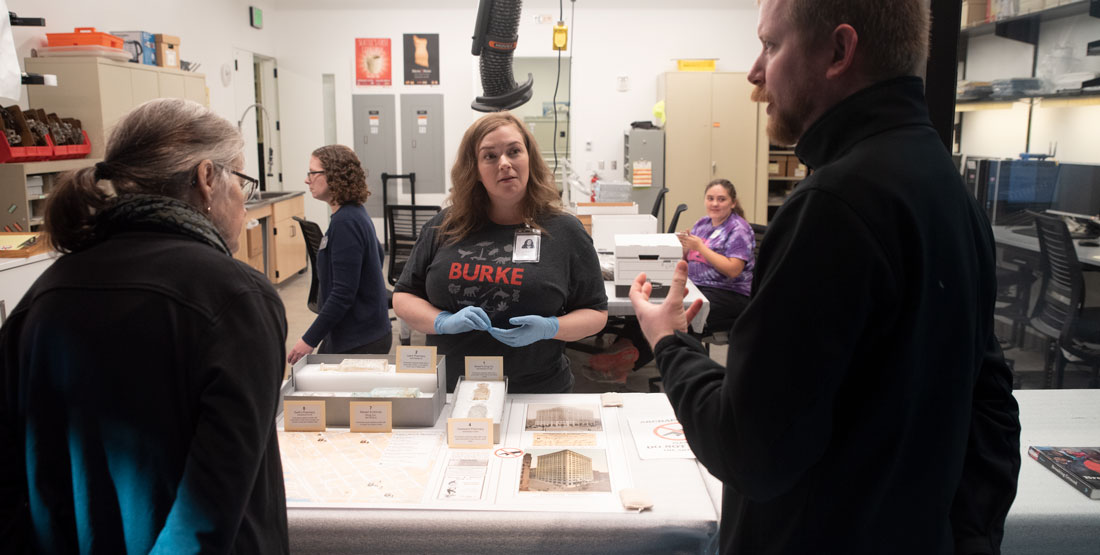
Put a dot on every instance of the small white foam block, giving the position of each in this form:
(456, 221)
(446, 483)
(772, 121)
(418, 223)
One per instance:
(611, 399)
(364, 365)
(464, 400)
(635, 499)
(311, 378)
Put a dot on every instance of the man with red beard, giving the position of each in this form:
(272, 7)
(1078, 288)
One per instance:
(865, 406)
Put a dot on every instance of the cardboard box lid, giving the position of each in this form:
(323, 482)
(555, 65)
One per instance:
(168, 39)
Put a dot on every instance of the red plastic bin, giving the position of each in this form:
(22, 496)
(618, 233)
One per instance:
(19, 154)
(68, 152)
(84, 36)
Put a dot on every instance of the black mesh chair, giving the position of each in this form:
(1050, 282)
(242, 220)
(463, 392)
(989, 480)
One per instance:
(658, 203)
(680, 209)
(1072, 331)
(311, 232)
(403, 225)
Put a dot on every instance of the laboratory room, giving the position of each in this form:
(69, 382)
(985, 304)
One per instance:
(554, 276)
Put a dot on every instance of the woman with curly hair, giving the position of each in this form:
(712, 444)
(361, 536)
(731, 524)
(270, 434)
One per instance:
(354, 316)
(503, 271)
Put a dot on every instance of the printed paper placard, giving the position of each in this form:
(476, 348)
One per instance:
(373, 63)
(371, 416)
(470, 433)
(485, 368)
(304, 416)
(417, 359)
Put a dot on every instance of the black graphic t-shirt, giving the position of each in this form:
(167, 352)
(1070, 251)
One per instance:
(478, 271)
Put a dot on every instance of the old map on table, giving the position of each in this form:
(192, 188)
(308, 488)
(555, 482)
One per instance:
(355, 468)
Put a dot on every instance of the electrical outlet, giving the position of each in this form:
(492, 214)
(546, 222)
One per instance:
(588, 146)
(623, 83)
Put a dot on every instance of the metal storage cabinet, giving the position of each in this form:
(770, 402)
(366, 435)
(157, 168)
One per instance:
(713, 130)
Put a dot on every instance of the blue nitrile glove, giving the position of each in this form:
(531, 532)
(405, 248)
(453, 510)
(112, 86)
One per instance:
(468, 319)
(530, 330)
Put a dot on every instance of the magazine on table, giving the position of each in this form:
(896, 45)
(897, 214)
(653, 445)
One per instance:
(1080, 466)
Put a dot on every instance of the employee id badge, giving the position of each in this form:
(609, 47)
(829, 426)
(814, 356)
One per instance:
(526, 246)
(324, 242)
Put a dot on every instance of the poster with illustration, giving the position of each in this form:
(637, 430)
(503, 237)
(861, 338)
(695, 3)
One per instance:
(421, 59)
(373, 63)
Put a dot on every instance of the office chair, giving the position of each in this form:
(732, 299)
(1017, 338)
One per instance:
(1072, 331)
(403, 225)
(676, 217)
(311, 232)
(659, 202)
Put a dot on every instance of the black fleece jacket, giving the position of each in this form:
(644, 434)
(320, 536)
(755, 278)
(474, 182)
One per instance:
(865, 406)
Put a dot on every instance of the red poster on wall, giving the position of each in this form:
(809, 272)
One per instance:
(373, 63)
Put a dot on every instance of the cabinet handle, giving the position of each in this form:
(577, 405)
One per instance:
(293, 232)
(713, 167)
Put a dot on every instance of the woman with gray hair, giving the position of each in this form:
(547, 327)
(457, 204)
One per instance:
(139, 375)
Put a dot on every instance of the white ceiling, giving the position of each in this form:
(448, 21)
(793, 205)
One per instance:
(529, 4)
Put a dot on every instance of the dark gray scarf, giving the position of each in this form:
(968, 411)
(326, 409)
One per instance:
(157, 213)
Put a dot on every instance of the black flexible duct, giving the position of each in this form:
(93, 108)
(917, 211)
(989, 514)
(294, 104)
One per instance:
(495, 37)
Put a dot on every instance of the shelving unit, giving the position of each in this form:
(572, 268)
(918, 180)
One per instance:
(21, 209)
(780, 186)
(1025, 28)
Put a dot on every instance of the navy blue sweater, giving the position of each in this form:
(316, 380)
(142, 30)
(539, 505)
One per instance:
(352, 292)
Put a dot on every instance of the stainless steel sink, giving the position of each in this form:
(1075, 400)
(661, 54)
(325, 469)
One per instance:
(268, 196)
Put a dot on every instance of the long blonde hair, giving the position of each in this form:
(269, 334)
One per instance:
(469, 201)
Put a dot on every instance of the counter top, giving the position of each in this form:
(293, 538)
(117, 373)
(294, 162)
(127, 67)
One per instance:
(268, 198)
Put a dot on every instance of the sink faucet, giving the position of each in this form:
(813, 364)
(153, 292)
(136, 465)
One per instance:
(267, 133)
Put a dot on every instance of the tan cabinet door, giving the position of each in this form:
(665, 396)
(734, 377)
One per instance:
(734, 139)
(144, 85)
(171, 86)
(290, 250)
(687, 142)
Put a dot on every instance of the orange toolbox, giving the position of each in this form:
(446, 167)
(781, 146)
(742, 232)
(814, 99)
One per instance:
(82, 36)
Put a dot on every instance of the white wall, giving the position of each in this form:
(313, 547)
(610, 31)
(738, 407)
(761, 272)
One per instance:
(639, 44)
(638, 41)
(604, 44)
(208, 31)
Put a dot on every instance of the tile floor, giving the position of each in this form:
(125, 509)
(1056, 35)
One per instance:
(1028, 362)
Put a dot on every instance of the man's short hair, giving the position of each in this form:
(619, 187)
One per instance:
(893, 34)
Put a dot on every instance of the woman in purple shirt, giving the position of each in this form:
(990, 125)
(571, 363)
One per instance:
(719, 251)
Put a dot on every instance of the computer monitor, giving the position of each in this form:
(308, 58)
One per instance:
(1078, 189)
(1024, 187)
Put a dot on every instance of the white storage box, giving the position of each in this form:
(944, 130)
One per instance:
(656, 254)
(480, 399)
(308, 383)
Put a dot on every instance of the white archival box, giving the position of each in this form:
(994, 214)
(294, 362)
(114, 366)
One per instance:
(338, 389)
(606, 226)
(656, 254)
(464, 400)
